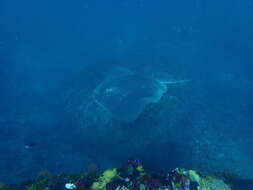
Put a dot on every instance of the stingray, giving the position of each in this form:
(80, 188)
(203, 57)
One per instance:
(123, 95)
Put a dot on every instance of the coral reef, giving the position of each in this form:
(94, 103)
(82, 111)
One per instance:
(132, 176)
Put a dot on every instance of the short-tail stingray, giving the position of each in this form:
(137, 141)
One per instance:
(123, 95)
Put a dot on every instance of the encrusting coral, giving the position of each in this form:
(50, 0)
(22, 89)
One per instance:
(103, 180)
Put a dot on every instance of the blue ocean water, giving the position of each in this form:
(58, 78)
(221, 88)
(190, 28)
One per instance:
(54, 54)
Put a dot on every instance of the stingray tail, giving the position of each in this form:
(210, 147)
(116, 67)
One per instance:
(174, 82)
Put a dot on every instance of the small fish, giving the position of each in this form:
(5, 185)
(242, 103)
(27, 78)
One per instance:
(30, 145)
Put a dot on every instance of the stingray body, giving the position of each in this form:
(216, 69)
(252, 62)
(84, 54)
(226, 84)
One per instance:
(123, 95)
(126, 97)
